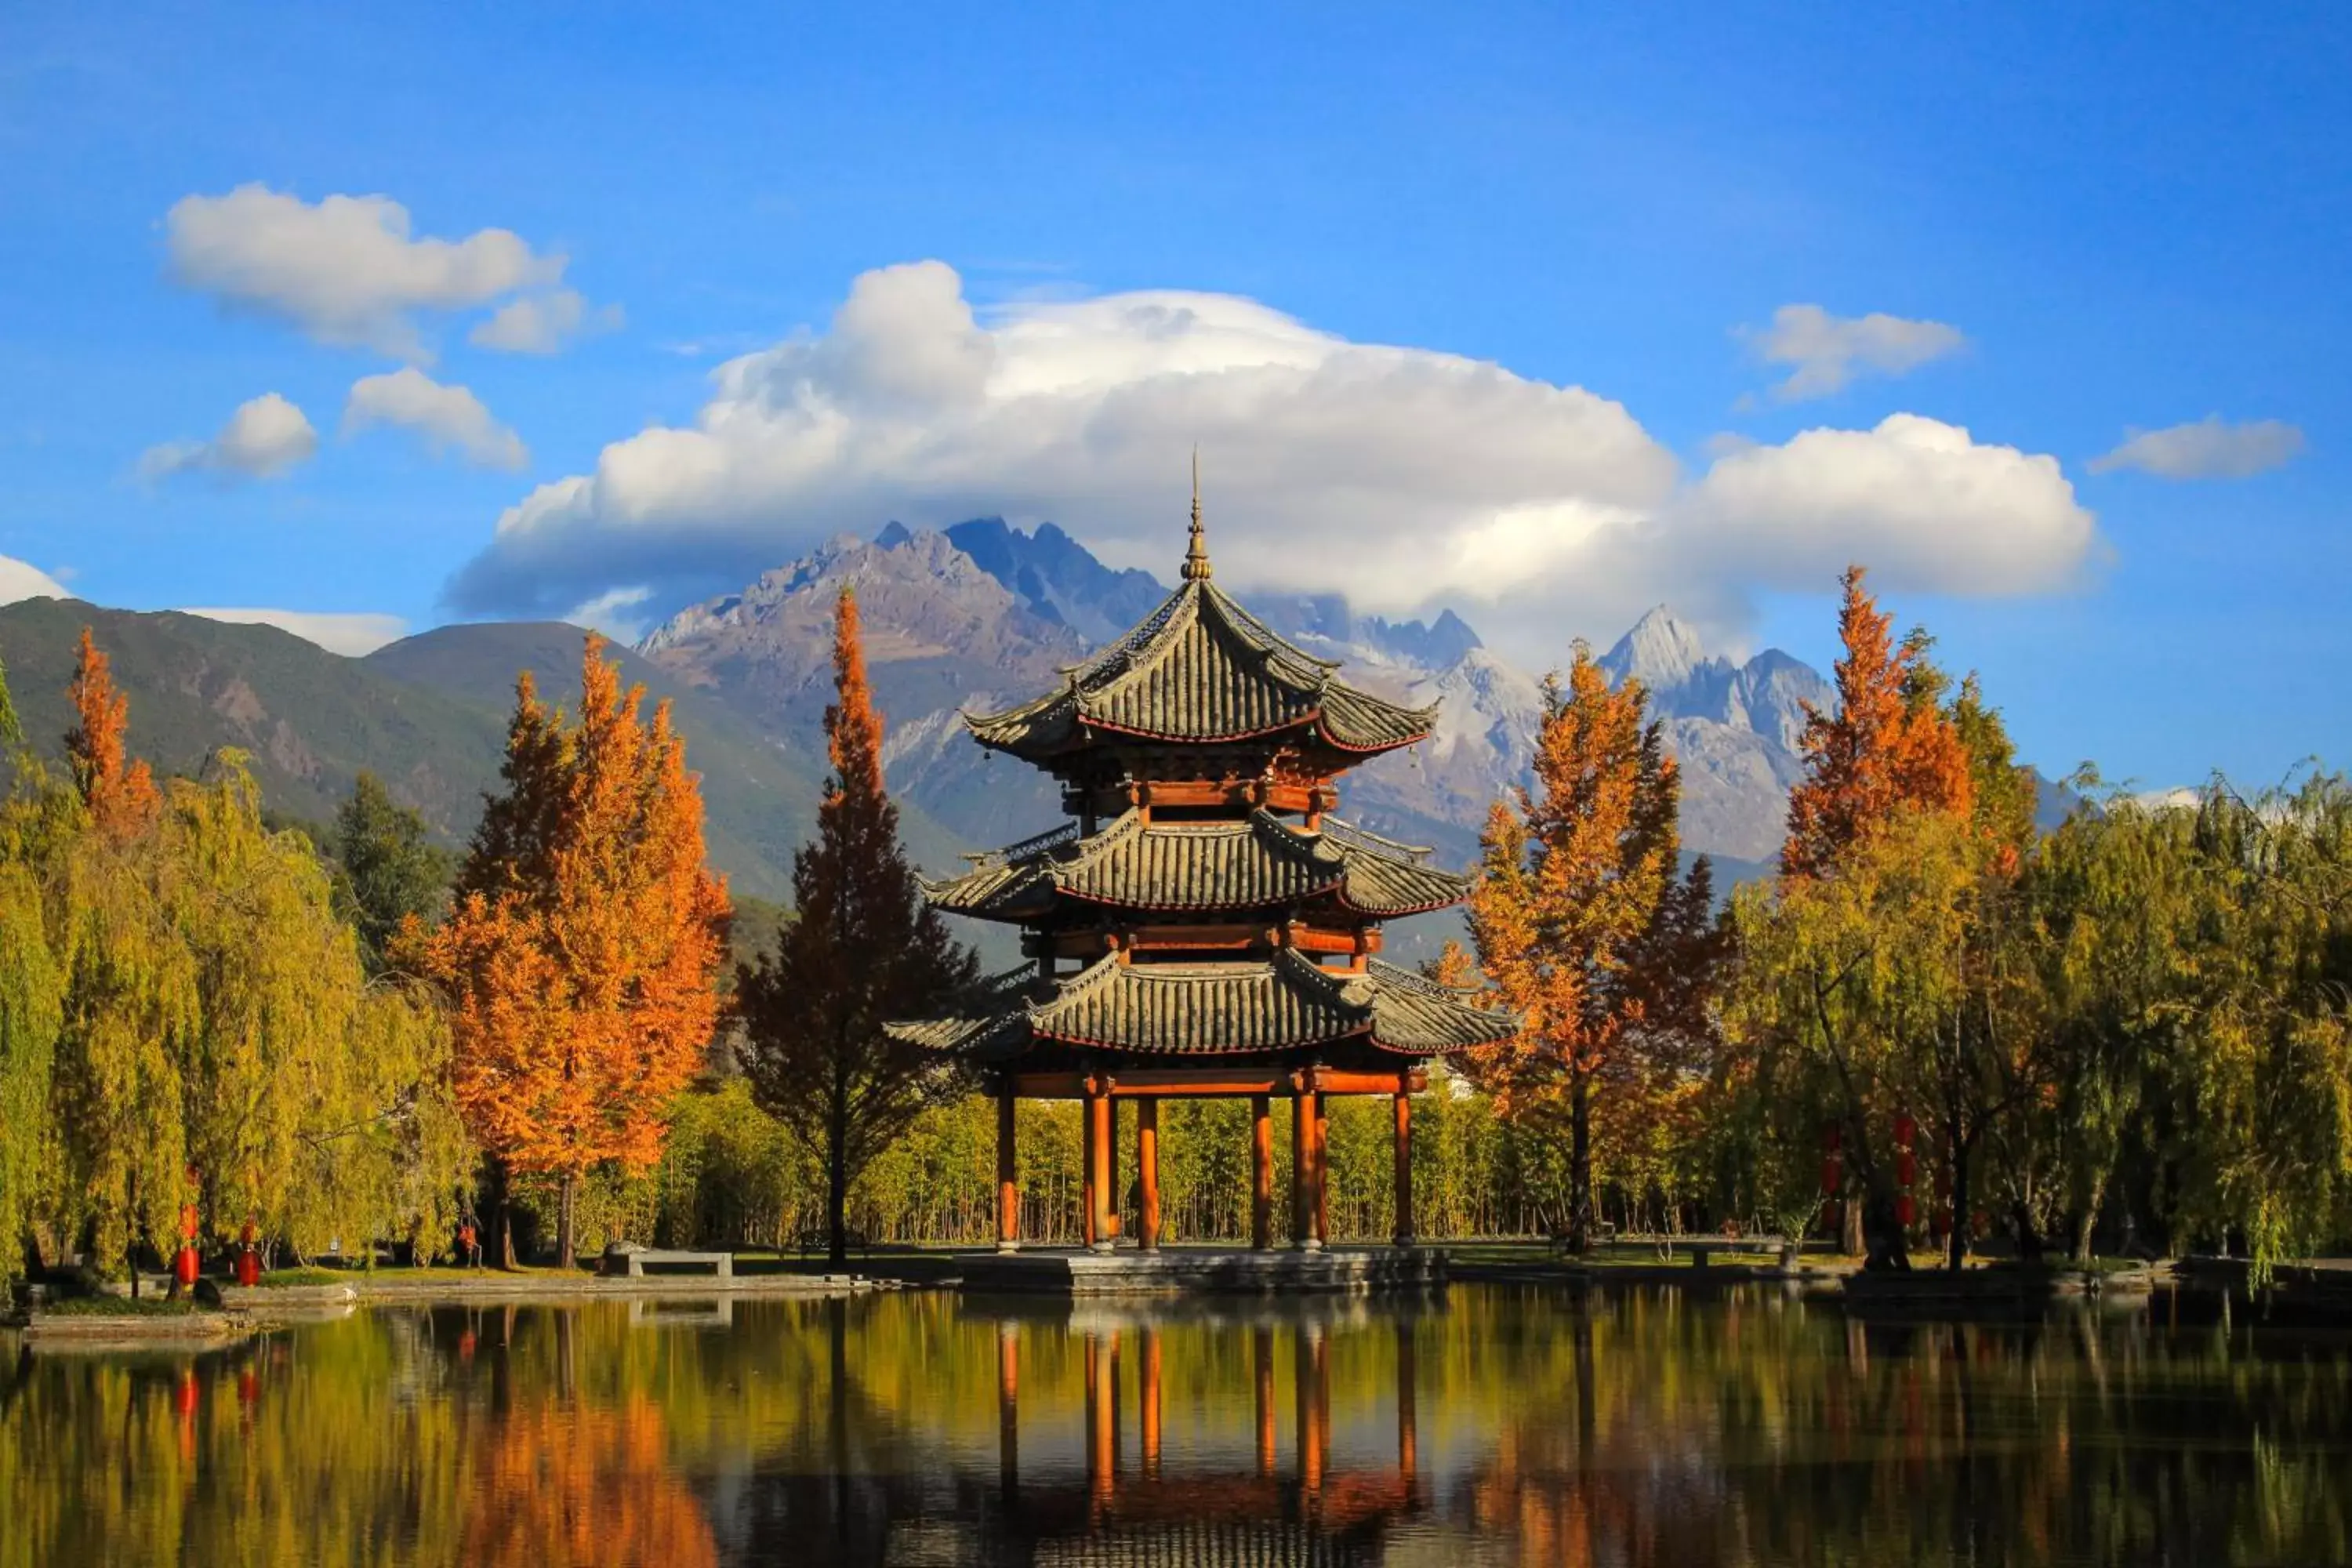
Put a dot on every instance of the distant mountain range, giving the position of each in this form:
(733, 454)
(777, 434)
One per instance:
(983, 615)
(978, 615)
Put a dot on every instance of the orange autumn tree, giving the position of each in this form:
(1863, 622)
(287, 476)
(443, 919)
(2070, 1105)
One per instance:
(578, 959)
(1876, 973)
(1585, 929)
(1887, 746)
(120, 792)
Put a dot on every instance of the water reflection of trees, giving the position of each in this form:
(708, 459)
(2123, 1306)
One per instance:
(1637, 1430)
(1647, 1429)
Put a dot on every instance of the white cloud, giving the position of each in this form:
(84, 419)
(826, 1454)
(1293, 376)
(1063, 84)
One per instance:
(1826, 351)
(1402, 477)
(22, 580)
(350, 634)
(2210, 448)
(447, 416)
(620, 614)
(543, 324)
(344, 270)
(263, 438)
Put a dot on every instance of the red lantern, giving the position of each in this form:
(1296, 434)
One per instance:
(1829, 1136)
(1906, 1167)
(1832, 1177)
(249, 1268)
(1905, 1129)
(1904, 1211)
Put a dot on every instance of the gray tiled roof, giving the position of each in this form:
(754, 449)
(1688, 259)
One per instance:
(1258, 863)
(1219, 1009)
(1201, 668)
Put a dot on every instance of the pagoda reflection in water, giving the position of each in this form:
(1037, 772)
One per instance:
(1133, 1502)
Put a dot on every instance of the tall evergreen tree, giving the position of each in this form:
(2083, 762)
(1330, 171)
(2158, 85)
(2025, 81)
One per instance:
(389, 867)
(863, 949)
(580, 956)
(1583, 927)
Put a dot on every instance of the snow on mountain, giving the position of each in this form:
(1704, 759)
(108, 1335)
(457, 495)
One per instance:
(984, 613)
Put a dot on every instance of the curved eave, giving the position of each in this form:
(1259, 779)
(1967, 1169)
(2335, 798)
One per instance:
(1193, 1011)
(1350, 878)
(1246, 665)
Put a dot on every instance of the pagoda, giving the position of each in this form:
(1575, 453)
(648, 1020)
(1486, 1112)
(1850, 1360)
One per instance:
(1203, 925)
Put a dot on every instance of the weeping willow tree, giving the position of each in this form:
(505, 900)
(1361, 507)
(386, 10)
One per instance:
(313, 1103)
(217, 1040)
(186, 1017)
(30, 1004)
(2263, 1084)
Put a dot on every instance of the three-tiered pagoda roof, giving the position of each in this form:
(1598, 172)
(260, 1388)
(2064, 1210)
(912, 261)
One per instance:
(1196, 911)
(1258, 863)
(1200, 671)
(1194, 1010)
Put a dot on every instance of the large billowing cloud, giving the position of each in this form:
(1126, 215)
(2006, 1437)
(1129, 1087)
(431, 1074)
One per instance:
(1402, 477)
(344, 269)
(2210, 449)
(263, 438)
(22, 580)
(446, 418)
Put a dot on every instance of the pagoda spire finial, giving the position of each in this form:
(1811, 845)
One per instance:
(1196, 553)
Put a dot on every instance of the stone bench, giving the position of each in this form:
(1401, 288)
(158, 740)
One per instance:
(635, 1258)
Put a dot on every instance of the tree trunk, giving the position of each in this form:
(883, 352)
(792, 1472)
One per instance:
(1955, 1255)
(563, 1219)
(2028, 1240)
(2083, 1225)
(1579, 1163)
(1889, 1248)
(1850, 1236)
(836, 1193)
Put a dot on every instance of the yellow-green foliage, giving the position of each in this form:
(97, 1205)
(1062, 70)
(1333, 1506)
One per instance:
(187, 995)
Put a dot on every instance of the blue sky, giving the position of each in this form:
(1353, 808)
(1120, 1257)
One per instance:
(2079, 226)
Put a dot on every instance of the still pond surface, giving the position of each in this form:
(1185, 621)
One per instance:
(1498, 1425)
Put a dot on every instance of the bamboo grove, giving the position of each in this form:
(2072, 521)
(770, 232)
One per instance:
(1952, 1020)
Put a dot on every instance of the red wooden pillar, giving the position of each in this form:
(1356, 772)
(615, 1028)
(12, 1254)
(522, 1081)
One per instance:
(1322, 1175)
(1302, 1167)
(1087, 1165)
(1008, 1182)
(1261, 1172)
(1405, 1231)
(1146, 1163)
(1102, 1204)
(1114, 1198)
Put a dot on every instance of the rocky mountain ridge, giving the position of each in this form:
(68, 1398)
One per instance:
(982, 614)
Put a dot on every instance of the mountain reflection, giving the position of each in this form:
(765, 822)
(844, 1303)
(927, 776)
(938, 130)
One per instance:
(1494, 1424)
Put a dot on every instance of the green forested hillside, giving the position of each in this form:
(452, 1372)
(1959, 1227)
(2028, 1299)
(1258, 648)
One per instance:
(310, 720)
(428, 715)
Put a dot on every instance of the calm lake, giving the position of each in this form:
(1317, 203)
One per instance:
(1497, 1425)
